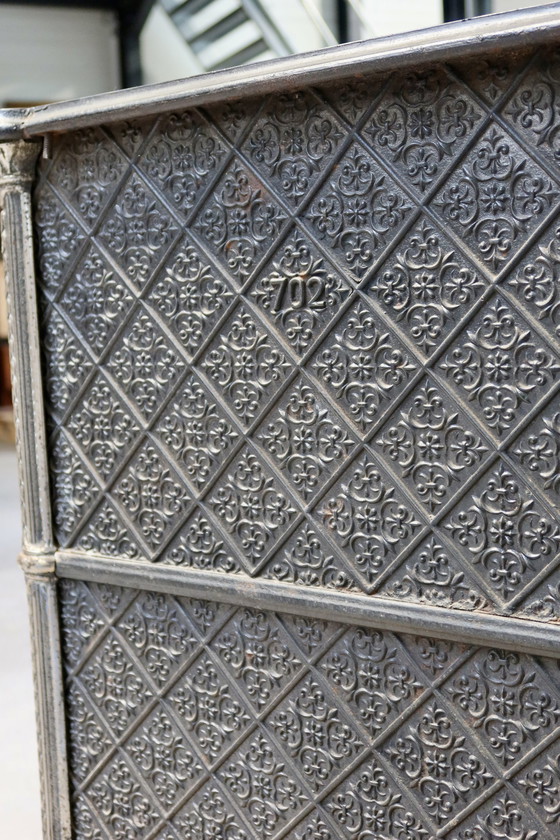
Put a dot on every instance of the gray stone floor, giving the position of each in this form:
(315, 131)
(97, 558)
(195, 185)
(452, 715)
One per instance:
(19, 782)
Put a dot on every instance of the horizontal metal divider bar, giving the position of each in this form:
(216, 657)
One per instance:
(523, 635)
(450, 42)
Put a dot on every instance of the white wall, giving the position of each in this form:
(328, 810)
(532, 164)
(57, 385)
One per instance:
(386, 18)
(508, 5)
(48, 54)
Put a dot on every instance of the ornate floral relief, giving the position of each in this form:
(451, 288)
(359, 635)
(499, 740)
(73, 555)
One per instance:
(74, 489)
(87, 170)
(196, 432)
(312, 828)
(506, 697)
(200, 546)
(315, 733)
(362, 365)
(437, 764)
(145, 363)
(103, 427)
(421, 124)
(432, 446)
(540, 786)
(537, 450)
(239, 221)
(66, 364)
(543, 603)
(114, 686)
(258, 655)
(88, 737)
(163, 758)
(503, 819)
(299, 292)
(190, 295)
(352, 98)
(96, 300)
(368, 804)
(181, 157)
(433, 656)
(501, 529)
(84, 821)
(292, 141)
(262, 785)
(536, 281)
(233, 116)
(130, 135)
(206, 616)
(121, 803)
(208, 709)
(305, 560)
(500, 366)
(138, 231)
(251, 507)
(245, 365)
(491, 77)
(371, 673)
(359, 212)
(152, 495)
(427, 286)
(58, 237)
(156, 629)
(311, 634)
(209, 816)
(368, 518)
(304, 439)
(433, 575)
(82, 620)
(496, 199)
(105, 533)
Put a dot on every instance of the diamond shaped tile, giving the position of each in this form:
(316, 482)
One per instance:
(490, 77)
(432, 446)
(442, 769)
(152, 495)
(539, 786)
(501, 813)
(208, 709)
(96, 300)
(86, 171)
(121, 802)
(311, 634)
(103, 427)
(181, 157)
(496, 199)
(239, 221)
(502, 529)
(314, 826)
(434, 575)
(534, 281)
(537, 451)
(362, 365)
(74, 489)
(422, 123)
(369, 671)
(206, 616)
(114, 686)
(369, 804)
(371, 520)
(252, 506)
(427, 286)
(190, 295)
(81, 619)
(196, 432)
(232, 116)
(258, 654)
(138, 231)
(292, 142)
(200, 545)
(315, 733)
(145, 363)
(299, 292)
(105, 533)
(85, 821)
(504, 697)
(306, 559)
(433, 656)
(359, 211)
(245, 365)
(130, 135)
(500, 366)
(210, 815)
(303, 437)
(88, 737)
(163, 758)
(58, 238)
(352, 97)
(66, 364)
(269, 796)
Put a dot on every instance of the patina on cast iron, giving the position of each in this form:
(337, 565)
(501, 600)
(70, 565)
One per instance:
(301, 371)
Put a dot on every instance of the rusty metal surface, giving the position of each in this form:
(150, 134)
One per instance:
(309, 342)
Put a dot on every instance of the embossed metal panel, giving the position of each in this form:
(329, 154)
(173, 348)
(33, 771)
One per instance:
(301, 373)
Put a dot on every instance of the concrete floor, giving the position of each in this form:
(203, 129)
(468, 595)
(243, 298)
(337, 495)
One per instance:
(19, 781)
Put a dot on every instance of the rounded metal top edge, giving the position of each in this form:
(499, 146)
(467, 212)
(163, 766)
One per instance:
(457, 40)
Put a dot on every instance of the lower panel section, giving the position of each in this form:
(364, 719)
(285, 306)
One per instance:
(192, 719)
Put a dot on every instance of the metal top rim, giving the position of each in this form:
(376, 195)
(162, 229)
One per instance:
(453, 41)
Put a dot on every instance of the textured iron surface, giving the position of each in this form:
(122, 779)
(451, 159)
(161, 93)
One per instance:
(314, 338)
(189, 719)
